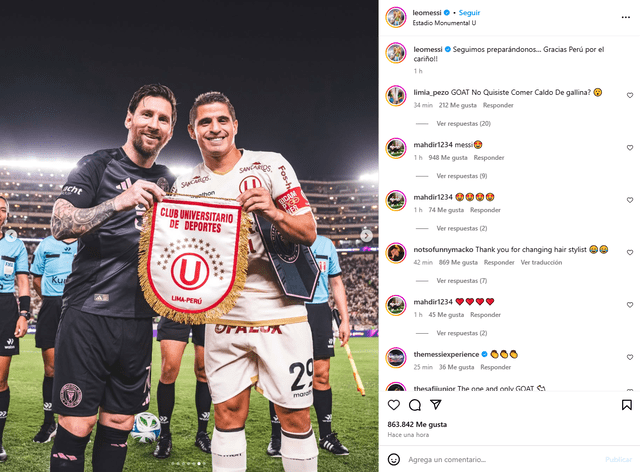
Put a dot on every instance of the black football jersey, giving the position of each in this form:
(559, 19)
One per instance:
(104, 276)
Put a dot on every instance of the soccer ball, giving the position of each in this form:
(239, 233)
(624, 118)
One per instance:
(146, 427)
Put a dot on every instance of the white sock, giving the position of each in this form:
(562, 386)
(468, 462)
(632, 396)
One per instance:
(299, 451)
(229, 451)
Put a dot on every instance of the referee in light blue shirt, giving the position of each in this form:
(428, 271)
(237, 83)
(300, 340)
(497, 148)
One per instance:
(14, 265)
(51, 265)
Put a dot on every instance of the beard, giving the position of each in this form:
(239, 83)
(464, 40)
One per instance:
(144, 150)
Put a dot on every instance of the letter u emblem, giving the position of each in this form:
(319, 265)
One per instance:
(183, 270)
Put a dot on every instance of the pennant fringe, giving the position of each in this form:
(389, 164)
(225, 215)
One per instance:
(209, 316)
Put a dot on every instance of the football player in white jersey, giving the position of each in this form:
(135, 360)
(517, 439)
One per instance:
(264, 340)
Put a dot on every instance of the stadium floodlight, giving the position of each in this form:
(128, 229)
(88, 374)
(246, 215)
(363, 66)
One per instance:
(179, 170)
(39, 164)
(373, 177)
(54, 164)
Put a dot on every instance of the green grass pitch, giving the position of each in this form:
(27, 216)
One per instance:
(355, 418)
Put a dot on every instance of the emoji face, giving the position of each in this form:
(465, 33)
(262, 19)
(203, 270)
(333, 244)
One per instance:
(597, 92)
(477, 144)
(604, 249)
(459, 197)
(479, 196)
(504, 354)
(490, 197)
(514, 354)
(469, 197)
(593, 249)
(394, 459)
(494, 354)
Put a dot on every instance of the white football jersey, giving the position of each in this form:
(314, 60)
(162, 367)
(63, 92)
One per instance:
(262, 301)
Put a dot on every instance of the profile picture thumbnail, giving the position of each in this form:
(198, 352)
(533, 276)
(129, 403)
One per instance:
(396, 253)
(396, 357)
(396, 305)
(396, 200)
(396, 17)
(396, 95)
(396, 148)
(396, 387)
(396, 52)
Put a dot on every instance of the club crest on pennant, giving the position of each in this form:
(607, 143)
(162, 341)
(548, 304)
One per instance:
(193, 257)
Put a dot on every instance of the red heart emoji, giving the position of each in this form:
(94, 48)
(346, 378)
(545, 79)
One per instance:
(470, 301)
(460, 301)
(480, 301)
(490, 301)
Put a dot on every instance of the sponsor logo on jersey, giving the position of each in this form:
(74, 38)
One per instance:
(101, 297)
(249, 182)
(70, 395)
(256, 166)
(57, 280)
(124, 185)
(195, 180)
(67, 249)
(283, 173)
(302, 394)
(69, 189)
(220, 329)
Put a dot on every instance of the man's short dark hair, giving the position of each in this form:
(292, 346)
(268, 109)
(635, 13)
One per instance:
(206, 99)
(155, 90)
(7, 202)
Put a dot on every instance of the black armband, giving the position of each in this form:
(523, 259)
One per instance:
(25, 303)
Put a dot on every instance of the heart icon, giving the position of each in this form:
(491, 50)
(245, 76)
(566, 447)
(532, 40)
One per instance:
(480, 301)
(629, 356)
(490, 301)
(629, 304)
(460, 301)
(470, 301)
(393, 404)
(629, 199)
(630, 147)
(629, 94)
(629, 251)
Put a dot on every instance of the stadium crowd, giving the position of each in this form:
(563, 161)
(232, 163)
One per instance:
(360, 277)
(359, 274)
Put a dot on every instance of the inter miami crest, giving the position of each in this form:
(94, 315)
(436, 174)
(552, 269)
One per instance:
(294, 264)
(193, 257)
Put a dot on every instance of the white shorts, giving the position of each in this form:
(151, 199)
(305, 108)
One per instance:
(278, 360)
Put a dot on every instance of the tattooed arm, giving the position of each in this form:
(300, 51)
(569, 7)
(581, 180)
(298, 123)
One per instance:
(71, 222)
